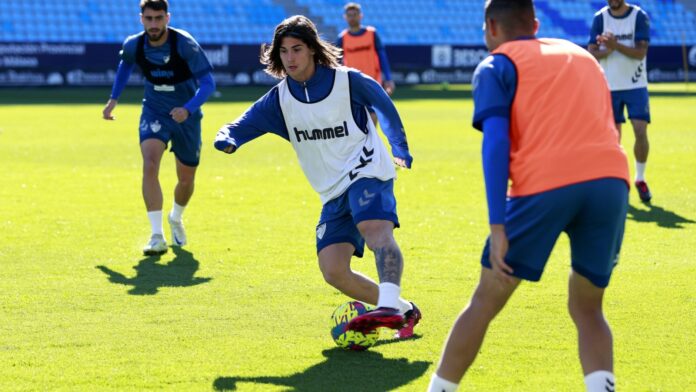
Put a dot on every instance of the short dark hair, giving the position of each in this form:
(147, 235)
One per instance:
(514, 16)
(352, 6)
(302, 28)
(155, 5)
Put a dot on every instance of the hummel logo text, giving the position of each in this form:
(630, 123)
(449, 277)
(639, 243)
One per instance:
(321, 134)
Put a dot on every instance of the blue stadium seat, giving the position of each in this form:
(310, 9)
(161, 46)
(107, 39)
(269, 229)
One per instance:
(252, 21)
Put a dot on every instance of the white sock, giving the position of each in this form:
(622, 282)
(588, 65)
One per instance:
(404, 306)
(640, 171)
(176, 212)
(155, 218)
(600, 381)
(389, 296)
(439, 384)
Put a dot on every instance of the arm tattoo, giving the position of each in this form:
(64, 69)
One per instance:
(390, 264)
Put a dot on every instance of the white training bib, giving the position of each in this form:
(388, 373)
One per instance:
(623, 72)
(333, 151)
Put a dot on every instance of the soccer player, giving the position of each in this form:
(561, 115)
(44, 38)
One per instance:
(619, 40)
(321, 109)
(363, 49)
(544, 108)
(178, 81)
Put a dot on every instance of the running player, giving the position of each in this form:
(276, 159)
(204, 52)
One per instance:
(177, 82)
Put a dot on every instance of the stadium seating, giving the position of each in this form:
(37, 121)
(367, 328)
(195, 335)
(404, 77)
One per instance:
(252, 21)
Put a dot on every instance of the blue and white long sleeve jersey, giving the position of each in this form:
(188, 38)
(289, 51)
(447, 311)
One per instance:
(623, 72)
(327, 122)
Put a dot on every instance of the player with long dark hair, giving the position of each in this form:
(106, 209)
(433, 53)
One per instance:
(321, 109)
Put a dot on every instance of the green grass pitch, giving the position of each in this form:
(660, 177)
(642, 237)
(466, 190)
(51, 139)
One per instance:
(245, 308)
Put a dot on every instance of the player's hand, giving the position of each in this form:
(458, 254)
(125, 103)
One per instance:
(401, 162)
(498, 248)
(389, 86)
(224, 142)
(110, 105)
(179, 114)
(609, 40)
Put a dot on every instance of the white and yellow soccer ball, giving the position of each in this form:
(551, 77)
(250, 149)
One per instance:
(351, 340)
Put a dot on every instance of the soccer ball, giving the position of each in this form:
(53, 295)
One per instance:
(351, 340)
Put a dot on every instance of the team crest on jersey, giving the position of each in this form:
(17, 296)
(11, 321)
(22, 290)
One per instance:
(321, 230)
(155, 126)
(166, 59)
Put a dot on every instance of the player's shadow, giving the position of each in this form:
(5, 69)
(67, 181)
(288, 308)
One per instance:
(382, 342)
(663, 218)
(150, 275)
(343, 370)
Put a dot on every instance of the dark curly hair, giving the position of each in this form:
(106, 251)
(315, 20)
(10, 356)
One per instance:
(302, 28)
(155, 5)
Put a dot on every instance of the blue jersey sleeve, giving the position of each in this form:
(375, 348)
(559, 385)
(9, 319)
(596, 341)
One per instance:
(642, 27)
(366, 92)
(495, 151)
(122, 74)
(494, 86)
(205, 89)
(383, 59)
(194, 55)
(127, 53)
(597, 28)
(264, 116)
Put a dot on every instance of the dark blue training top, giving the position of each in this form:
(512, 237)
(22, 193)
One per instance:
(186, 94)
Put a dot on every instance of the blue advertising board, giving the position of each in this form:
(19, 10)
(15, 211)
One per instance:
(76, 64)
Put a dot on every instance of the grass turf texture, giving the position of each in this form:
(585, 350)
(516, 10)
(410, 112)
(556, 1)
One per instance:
(244, 306)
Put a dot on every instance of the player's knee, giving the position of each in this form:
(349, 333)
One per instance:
(334, 275)
(582, 310)
(150, 167)
(642, 136)
(379, 241)
(377, 235)
(186, 181)
(640, 128)
(485, 307)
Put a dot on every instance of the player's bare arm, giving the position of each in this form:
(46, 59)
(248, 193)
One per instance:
(597, 52)
(638, 52)
(110, 106)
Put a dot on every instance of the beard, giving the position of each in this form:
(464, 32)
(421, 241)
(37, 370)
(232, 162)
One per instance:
(155, 35)
(615, 5)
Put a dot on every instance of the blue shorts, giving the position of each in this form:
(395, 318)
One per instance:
(635, 100)
(185, 137)
(365, 199)
(592, 213)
